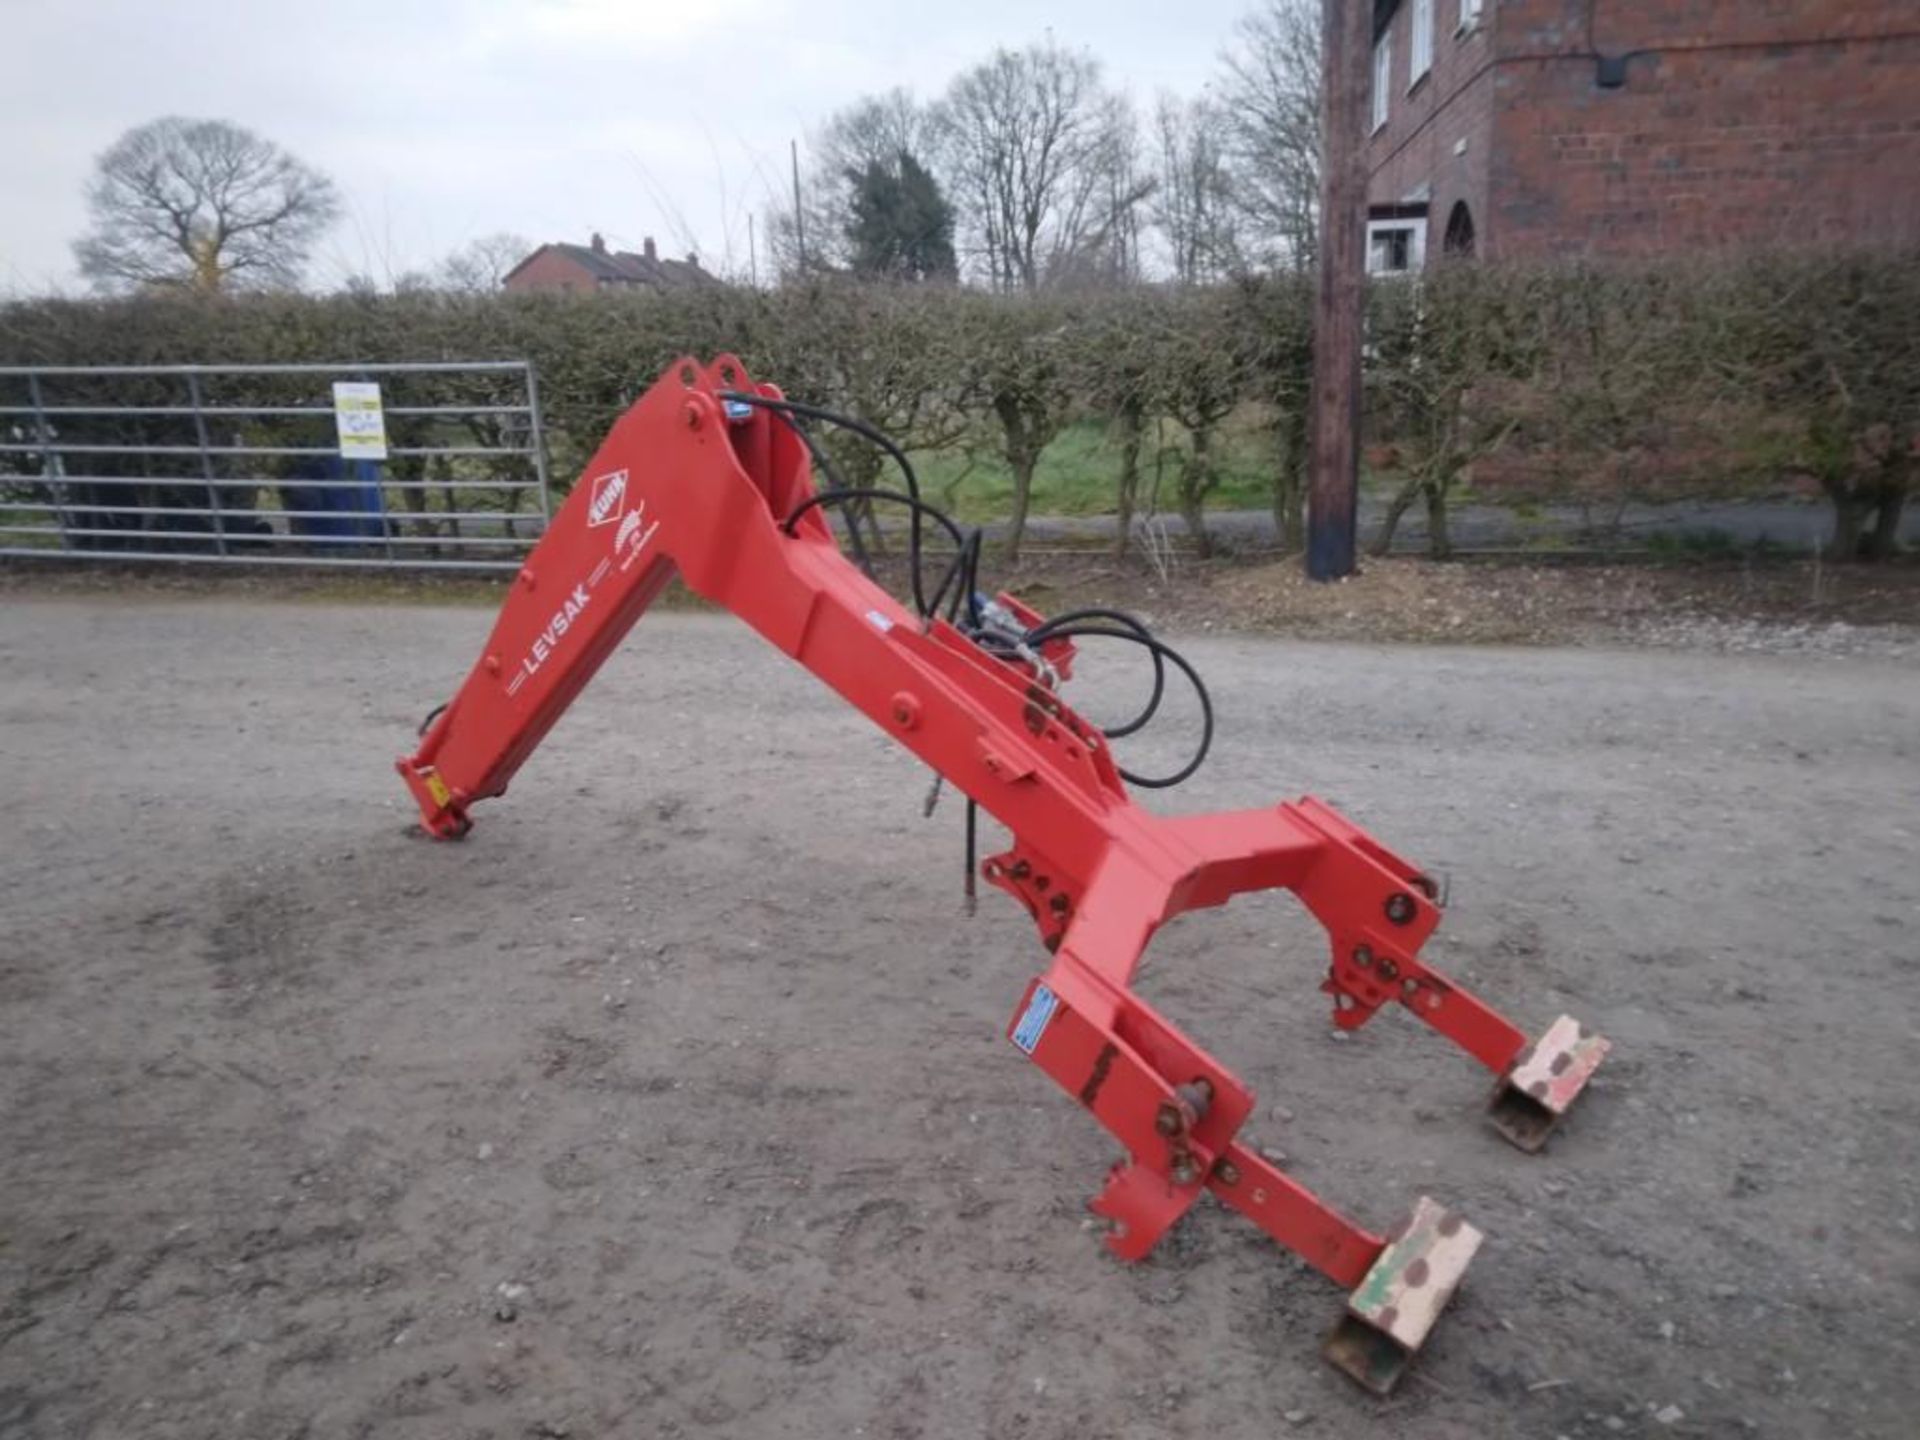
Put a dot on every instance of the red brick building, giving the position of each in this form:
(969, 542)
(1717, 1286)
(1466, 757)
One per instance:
(592, 267)
(1539, 127)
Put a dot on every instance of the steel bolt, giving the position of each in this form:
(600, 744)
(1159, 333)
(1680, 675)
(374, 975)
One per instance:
(1185, 1171)
(1362, 956)
(1400, 908)
(1227, 1172)
(1168, 1120)
(1196, 1095)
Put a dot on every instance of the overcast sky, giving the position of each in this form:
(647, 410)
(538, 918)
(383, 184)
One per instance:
(442, 120)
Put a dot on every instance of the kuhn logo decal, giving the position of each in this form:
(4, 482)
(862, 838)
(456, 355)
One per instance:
(609, 490)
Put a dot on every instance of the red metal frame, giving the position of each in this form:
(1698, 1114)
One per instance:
(683, 486)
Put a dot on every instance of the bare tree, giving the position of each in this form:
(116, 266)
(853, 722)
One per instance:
(1270, 95)
(479, 266)
(1272, 327)
(201, 205)
(876, 130)
(1201, 382)
(1121, 337)
(1040, 161)
(1626, 385)
(1193, 206)
(1451, 357)
(1110, 254)
(1027, 368)
(1825, 339)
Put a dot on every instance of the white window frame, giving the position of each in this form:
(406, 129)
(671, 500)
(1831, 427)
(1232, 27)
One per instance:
(1419, 42)
(1416, 229)
(1469, 17)
(1382, 81)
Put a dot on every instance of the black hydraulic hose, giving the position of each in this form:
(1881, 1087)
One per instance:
(834, 417)
(973, 852)
(966, 569)
(963, 572)
(1161, 648)
(919, 508)
(1050, 627)
(835, 482)
(791, 408)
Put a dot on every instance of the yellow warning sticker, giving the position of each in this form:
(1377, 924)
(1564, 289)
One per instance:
(437, 788)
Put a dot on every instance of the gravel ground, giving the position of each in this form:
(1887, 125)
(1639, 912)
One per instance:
(1760, 637)
(675, 1101)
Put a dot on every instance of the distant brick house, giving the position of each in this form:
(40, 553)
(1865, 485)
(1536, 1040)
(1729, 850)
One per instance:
(592, 267)
(1540, 127)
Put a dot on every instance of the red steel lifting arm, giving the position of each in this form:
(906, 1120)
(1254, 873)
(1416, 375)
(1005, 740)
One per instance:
(692, 484)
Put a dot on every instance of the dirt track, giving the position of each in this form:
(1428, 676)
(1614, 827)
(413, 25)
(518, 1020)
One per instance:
(690, 1048)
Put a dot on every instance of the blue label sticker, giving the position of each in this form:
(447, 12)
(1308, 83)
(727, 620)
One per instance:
(1033, 1024)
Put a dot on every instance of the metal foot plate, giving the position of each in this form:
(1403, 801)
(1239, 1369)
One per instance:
(1140, 1206)
(1389, 1314)
(1532, 1096)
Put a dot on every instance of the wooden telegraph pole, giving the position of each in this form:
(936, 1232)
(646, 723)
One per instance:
(799, 214)
(1333, 494)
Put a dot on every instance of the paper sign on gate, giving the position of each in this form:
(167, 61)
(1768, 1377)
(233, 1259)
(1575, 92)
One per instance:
(360, 420)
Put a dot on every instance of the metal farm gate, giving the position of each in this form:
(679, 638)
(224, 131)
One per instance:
(245, 465)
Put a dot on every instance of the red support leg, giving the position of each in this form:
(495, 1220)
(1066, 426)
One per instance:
(1177, 1112)
(1296, 1217)
(1378, 910)
(1178, 1115)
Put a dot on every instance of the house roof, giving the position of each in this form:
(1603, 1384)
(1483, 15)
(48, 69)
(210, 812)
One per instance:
(624, 267)
(667, 274)
(601, 264)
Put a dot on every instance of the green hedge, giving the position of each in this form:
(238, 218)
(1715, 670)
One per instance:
(1594, 383)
